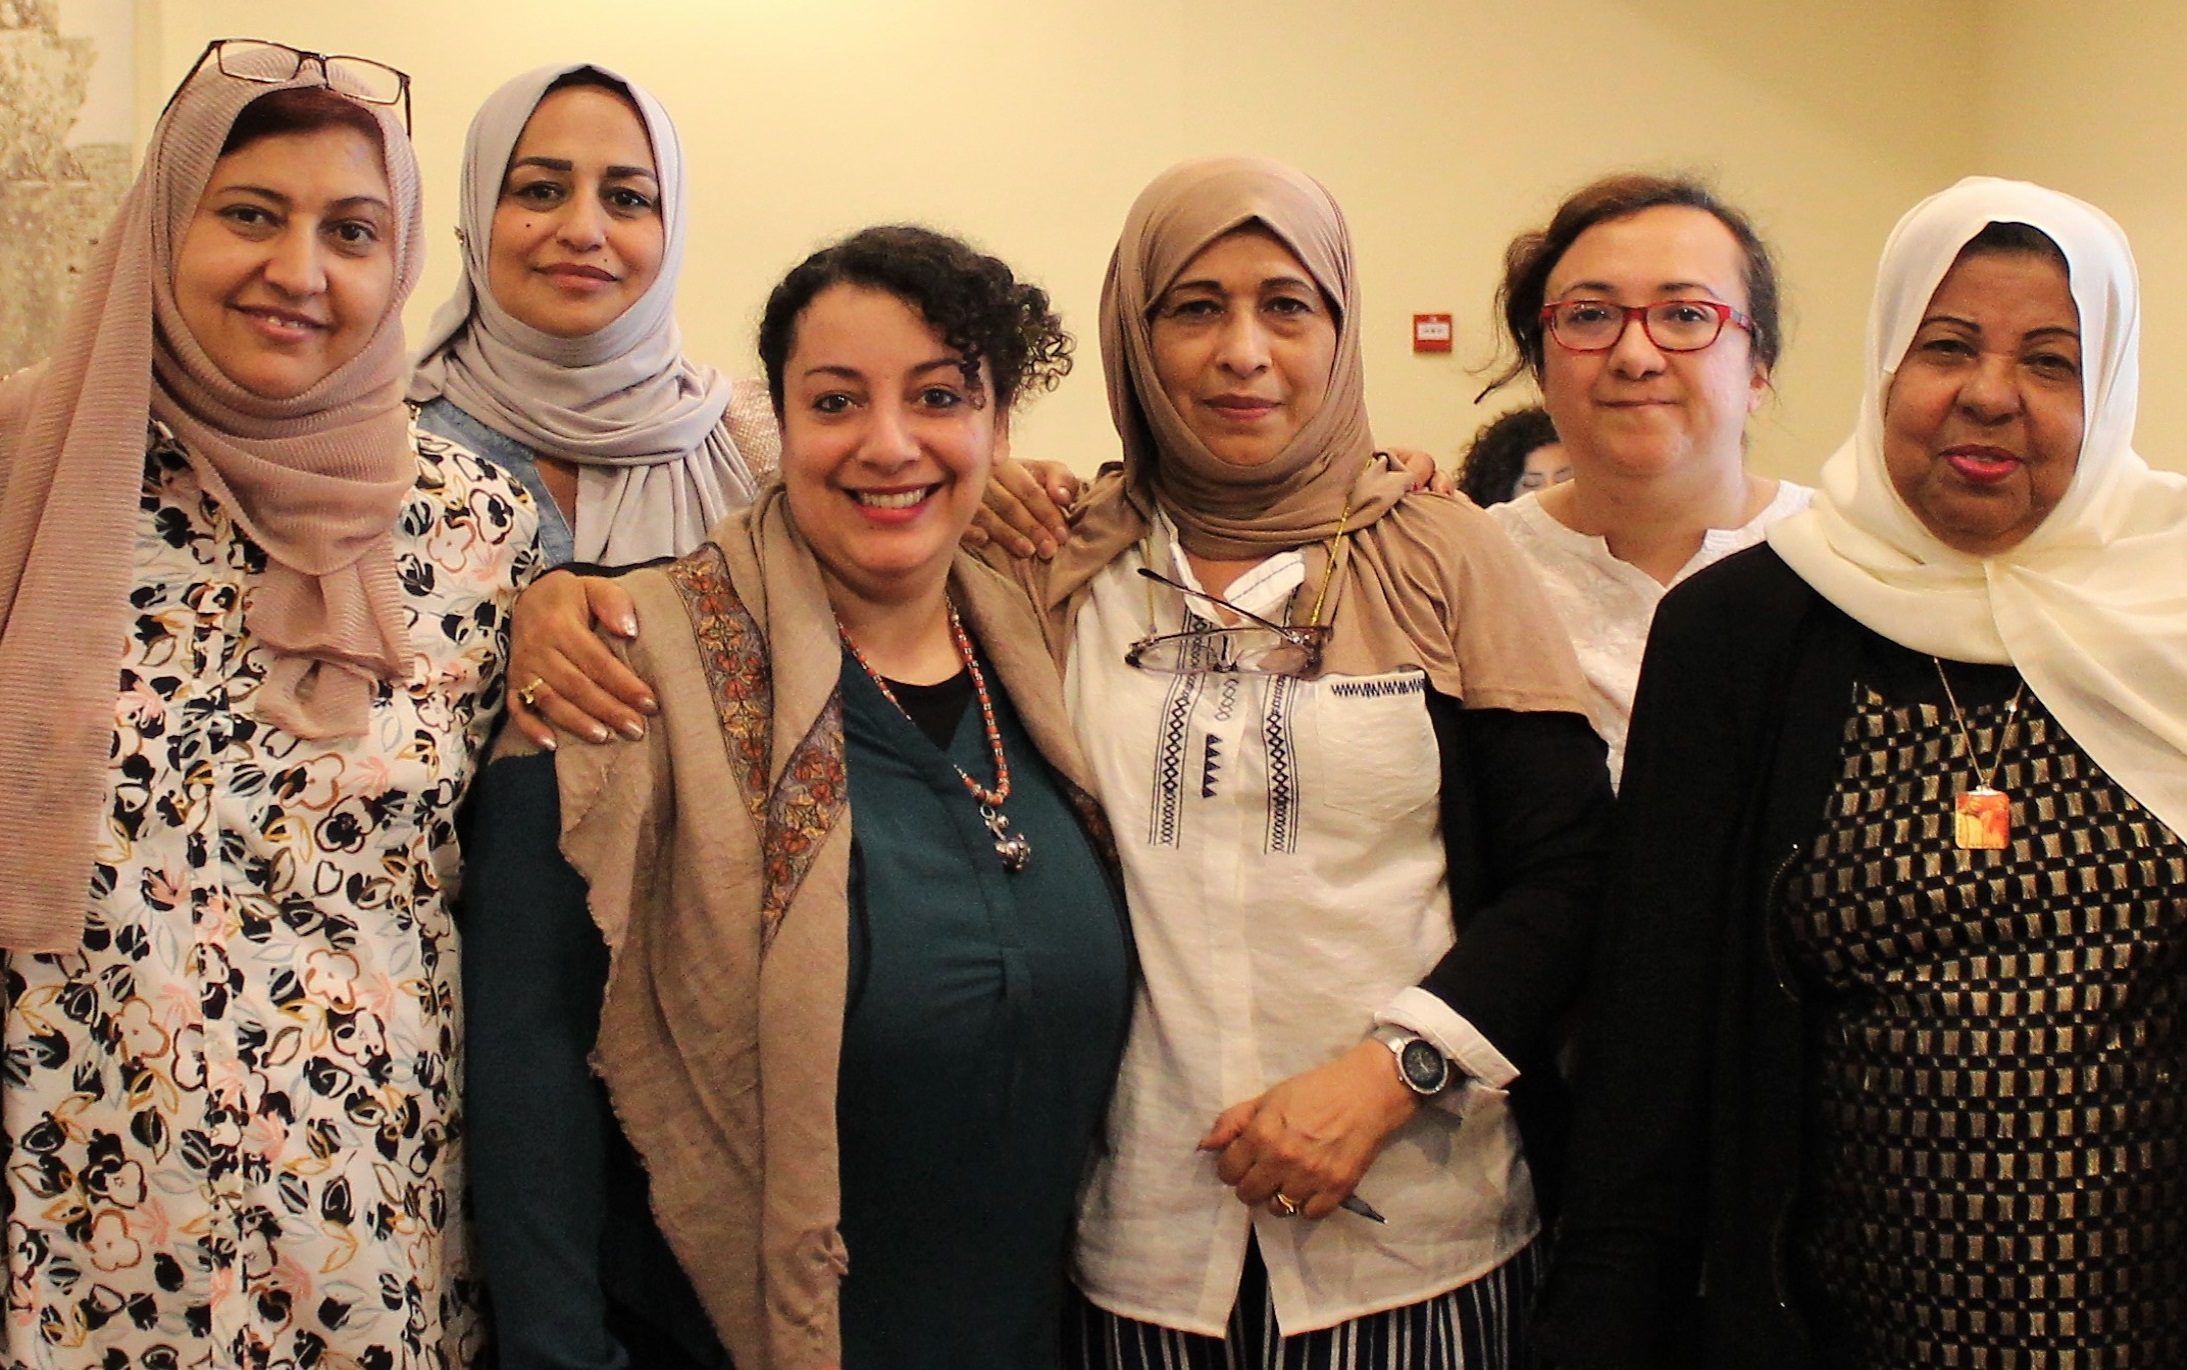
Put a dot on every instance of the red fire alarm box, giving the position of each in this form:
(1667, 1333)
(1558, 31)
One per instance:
(1431, 332)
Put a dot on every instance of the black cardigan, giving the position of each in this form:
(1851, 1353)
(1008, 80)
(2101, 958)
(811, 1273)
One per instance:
(1526, 810)
(1690, 1094)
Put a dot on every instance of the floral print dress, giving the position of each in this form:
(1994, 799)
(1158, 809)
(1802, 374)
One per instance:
(230, 1125)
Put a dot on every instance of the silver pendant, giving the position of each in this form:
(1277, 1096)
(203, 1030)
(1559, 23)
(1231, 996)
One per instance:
(1014, 850)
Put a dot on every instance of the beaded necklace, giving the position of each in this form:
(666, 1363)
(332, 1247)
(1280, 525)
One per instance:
(1012, 847)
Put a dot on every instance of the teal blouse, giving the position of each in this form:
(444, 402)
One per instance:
(985, 1020)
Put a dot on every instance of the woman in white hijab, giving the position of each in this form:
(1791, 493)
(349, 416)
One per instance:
(1883, 1063)
(558, 357)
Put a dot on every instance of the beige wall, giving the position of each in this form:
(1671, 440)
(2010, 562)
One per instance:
(1442, 126)
(2089, 98)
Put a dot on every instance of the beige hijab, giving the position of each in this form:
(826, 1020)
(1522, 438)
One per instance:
(1417, 570)
(316, 481)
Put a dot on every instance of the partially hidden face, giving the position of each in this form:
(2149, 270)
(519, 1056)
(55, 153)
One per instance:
(886, 447)
(1244, 344)
(1546, 465)
(1982, 423)
(578, 235)
(287, 268)
(1635, 410)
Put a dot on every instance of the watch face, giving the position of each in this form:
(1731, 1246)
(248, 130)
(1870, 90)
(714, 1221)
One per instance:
(1426, 1069)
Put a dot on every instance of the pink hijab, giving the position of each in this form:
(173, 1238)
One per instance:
(317, 482)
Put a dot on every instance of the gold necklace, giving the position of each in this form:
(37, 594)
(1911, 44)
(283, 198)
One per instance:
(1982, 816)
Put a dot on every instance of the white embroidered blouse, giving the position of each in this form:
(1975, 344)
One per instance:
(1284, 865)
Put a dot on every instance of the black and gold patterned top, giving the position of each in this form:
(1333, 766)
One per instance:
(1997, 1177)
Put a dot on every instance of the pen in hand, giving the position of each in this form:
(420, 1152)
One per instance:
(1354, 1204)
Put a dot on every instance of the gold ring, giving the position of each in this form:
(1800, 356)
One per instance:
(530, 693)
(1285, 1205)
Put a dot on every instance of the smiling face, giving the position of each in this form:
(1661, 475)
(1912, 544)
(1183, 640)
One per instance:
(288, 266)
(577, 235)
(1635, 410)
(1244, 343)
(1982, 425)
(886, 449)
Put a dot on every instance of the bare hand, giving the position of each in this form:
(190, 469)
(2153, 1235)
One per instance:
(1024, 507)
(1426, 475)
(557, 658)
(1311, 1137)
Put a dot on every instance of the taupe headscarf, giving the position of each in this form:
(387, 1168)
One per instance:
(642, 421)
(1419, 572)
(316, 481)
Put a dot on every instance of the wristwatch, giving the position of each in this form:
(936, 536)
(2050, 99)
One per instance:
(1421, 1064)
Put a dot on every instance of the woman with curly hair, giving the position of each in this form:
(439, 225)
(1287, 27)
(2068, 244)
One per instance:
(839, 932)
(1514, 454)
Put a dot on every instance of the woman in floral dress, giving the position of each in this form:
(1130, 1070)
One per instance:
(253, 635)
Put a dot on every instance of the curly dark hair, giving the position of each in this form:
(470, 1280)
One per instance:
(982, 311)
(1533, 255)
(1489, 472)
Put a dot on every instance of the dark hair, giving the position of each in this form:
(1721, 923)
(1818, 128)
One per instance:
(1492, 465)
(1533, 255)
(589, 75)
(982, 311)
(300, 109)
(1998, 238)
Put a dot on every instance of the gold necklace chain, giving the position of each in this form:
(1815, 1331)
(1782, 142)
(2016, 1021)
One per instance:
(2004, 737)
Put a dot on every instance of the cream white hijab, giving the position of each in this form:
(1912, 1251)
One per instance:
(642, 422)
(2092, 607)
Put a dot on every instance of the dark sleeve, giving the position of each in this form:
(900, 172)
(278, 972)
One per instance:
(594, 570)
(1629, 1253)
(534, 969)
(1526, 811)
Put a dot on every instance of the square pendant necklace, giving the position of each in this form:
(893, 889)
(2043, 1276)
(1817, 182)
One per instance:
(1982, 816)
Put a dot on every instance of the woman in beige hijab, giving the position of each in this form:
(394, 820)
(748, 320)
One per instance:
(1358, 805)
(251, 625)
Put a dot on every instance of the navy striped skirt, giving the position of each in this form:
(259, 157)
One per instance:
(1477, 1326)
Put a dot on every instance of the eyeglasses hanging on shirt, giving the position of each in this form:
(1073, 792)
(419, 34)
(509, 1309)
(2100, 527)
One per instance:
(1258, 646)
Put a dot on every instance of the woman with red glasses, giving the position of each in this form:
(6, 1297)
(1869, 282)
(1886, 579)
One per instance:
(1647, 313)
(1882, 1056)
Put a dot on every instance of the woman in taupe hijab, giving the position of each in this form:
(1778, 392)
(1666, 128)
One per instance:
(1358, 806)
(251, 624)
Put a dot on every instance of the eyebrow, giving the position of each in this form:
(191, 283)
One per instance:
(2048, 330)
(1294, 282)
(566, 166)
(853, 373)
(347, 202)
(1667, 290)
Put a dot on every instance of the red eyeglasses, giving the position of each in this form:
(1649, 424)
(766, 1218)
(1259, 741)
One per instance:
(1672, 325)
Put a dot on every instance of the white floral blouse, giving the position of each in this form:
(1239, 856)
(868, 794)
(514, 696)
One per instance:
(230, 1120)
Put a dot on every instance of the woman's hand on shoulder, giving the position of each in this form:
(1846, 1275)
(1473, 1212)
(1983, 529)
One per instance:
(561, 675)
(1426, 475)
(1311, 1137)
(1023, 511)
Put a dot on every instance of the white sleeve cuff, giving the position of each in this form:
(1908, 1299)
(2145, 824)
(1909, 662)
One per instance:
(1417, 1011)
